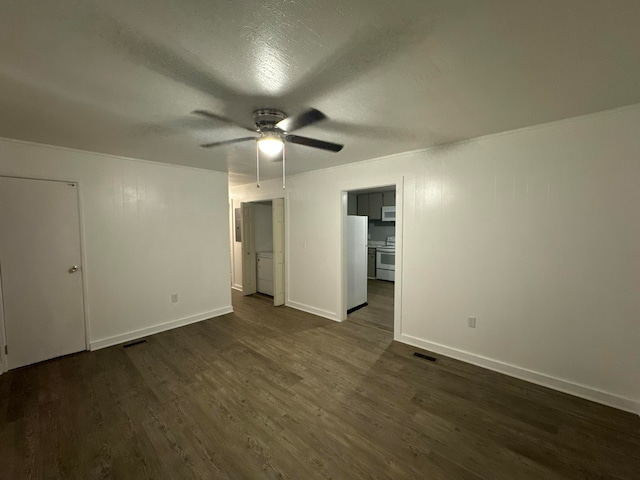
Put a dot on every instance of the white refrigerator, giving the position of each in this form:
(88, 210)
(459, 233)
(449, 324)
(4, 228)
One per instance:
(357, 239)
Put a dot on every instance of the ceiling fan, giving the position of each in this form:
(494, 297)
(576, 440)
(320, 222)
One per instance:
(274, 129)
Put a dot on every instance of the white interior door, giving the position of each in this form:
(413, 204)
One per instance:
(278, 251)
(41, 270)
(249, 284)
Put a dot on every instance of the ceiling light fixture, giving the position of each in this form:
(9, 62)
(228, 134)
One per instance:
(270, 144)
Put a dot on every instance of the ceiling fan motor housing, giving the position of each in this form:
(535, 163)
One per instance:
(266, 119)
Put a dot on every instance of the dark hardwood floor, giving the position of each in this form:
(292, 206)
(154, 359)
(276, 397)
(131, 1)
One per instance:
(276, 393)
(379, 311)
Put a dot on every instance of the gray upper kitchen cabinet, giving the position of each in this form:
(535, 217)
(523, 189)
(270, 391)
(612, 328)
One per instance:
(370, 204)
(352, 204)
(375, 206)
(363, 204)
(389, 199)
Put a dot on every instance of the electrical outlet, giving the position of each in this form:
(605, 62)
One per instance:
(174, 297)
(471, 322)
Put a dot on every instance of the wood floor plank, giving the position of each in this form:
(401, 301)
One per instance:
(275, 393)
(379, 311)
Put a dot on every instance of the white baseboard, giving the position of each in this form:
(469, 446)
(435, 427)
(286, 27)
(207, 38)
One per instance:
(315, 311)
(237, 287)
(554, 383)
(144, 332)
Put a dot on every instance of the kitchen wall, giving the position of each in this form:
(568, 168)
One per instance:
(535, 232)
(379, 231)
(149, 230)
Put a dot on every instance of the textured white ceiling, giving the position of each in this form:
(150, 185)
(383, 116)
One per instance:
(121, 77)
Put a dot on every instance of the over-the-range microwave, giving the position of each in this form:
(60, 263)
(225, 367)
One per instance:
(389, 214)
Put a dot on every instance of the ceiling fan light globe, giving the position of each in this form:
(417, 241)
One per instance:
(270, 146)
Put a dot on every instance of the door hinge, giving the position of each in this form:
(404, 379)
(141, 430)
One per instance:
(6, 349)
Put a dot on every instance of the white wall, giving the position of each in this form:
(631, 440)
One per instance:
(149, 230)
(535, 232)
(263, 219)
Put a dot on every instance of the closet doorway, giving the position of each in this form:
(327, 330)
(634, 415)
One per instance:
(263, 248)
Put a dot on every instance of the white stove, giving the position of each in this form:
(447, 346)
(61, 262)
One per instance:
(386, 260)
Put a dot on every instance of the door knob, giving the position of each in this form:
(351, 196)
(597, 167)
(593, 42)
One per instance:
(74, 269)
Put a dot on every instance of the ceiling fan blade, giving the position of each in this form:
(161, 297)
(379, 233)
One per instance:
(164, 57)
(312, 142)
(227, 142)
(300, 120)
(215, 116)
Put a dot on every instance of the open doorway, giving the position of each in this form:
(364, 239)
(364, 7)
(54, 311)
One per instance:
(375, 209)
(263, 248)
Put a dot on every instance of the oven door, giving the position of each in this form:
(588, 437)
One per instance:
(386, 258)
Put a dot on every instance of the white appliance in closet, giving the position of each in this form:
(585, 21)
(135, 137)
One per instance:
(265, 273)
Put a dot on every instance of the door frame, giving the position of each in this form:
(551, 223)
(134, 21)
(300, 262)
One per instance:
(236, 203)
(4, 365)
(345, 188)
(278, 239)
(248, 249)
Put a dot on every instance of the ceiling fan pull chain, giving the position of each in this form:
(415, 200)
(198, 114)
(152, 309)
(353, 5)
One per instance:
(257, 166)
(284, 147)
